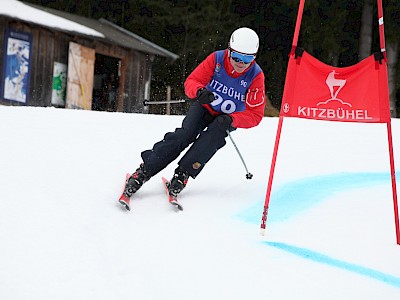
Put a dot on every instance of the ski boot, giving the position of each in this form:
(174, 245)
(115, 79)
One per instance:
(132, 185)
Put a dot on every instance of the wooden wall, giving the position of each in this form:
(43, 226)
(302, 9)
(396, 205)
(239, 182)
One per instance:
(49, 46)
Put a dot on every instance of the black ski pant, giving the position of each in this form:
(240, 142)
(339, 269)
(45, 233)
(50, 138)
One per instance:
(198, 128)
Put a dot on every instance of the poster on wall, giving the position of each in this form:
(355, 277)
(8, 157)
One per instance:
(59, 84)
(16, 66)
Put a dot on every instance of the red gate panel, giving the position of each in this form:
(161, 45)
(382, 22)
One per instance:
(315, 90)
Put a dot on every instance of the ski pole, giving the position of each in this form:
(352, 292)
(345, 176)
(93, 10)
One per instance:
(148, 102)
(248, 174)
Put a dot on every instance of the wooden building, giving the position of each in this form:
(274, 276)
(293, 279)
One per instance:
(53, 58)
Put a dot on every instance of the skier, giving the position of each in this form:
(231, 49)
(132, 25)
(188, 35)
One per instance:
(229, 93)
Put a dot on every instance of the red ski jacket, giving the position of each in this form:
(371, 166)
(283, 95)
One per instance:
(255, 97)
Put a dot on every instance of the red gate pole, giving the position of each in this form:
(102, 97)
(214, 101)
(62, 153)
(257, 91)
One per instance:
(298, 23)
(389, 127)
(271, 177)
(278, 133)
(381, 28)
(393, 176)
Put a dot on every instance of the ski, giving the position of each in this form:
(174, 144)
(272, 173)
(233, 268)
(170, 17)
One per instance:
(125, 200)
(171, 198)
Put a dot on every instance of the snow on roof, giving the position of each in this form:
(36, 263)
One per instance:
(19, 10)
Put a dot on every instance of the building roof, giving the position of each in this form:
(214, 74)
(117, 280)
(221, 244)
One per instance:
(98, 29)
(19, 11)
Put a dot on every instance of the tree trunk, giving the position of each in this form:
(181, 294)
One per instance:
(392, 54)
(364, 47)
(184, 51)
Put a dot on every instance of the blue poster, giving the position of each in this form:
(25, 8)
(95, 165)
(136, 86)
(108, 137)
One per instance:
(16, 66)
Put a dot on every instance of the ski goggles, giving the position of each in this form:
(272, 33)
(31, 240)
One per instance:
(240, 57)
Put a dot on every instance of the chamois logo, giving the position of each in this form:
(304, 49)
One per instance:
(335, 85)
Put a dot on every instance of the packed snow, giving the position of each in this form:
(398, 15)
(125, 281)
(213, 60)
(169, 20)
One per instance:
(330, 230)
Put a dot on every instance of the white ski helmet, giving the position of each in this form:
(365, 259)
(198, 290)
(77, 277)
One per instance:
(244, 40)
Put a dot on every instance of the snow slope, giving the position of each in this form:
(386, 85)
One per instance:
(330, 230)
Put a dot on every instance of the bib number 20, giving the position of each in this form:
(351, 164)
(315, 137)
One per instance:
(227, 106)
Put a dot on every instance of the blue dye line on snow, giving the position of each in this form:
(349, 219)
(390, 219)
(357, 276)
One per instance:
(295, 197)
(327, 260)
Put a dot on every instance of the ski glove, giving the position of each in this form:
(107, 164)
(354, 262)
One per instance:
(225, 123)
(204, 96)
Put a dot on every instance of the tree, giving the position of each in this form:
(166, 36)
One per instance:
(366, 30)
